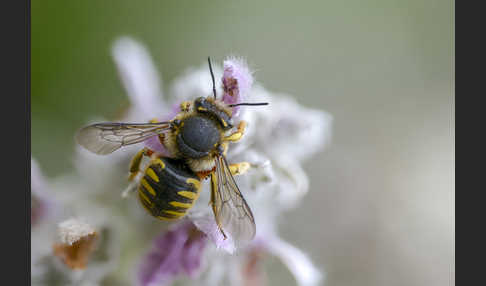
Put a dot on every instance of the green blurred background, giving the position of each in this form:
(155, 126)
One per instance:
(381, 206)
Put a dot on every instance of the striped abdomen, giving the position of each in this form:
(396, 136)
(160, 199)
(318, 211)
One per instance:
(168, 188)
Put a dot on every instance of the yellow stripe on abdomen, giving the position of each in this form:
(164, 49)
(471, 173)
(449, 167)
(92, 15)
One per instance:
(189, 195)
(145, 200)
(181, 205)
(196, 183)
(176, 214)
(152, 175)
(147, 186)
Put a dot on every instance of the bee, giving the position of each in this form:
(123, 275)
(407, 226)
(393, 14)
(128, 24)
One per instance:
(197, 138)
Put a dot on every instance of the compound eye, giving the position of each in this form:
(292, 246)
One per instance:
(200, 134)
(200, 101)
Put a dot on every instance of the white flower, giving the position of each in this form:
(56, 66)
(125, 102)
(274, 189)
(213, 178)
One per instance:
(58, 244)
(279, 137)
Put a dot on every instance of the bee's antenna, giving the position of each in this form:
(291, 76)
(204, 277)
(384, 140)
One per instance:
(212, 77)
(250, 104)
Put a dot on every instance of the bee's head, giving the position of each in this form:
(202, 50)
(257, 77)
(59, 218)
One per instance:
(216, 110)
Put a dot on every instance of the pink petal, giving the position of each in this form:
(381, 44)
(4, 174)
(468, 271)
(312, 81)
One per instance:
(207, 225)
(178, 250)
(139, 76)
(192, 252)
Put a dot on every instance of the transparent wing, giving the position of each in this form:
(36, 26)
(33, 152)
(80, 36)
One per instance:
(230, 209)
(105, 138)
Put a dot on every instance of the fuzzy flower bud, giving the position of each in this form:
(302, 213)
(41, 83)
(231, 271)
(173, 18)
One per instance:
(77, 241)
(237, 81)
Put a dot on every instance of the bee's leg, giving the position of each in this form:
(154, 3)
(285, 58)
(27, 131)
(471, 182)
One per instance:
(135, 170)
(185, 106)
(239, 168)
(132, 187)
(238, 134)
(136, 161)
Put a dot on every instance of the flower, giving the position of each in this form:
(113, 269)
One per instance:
(176, 251)
(77, 242)
(73, 230)
(237, 81)
(140, 79)
(70, 258)
(287, 134)
(135, 247)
